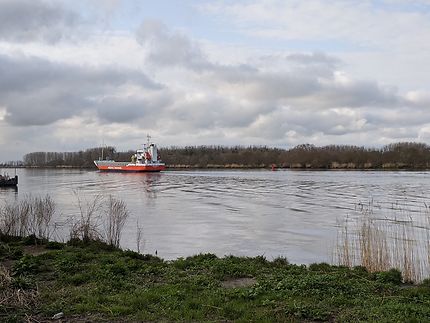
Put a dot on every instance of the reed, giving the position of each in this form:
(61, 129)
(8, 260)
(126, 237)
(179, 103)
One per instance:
(379, 241)
(140, 243)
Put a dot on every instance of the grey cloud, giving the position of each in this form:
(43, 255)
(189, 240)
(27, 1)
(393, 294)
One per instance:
(284, 86)
(359, 94)
(280, 121)
(252, 99)
(28, 73)
(301, 80)
(38, 92)
(402, 116)
(35, 20)
(169, 48)
(42, 107)
(132, 110)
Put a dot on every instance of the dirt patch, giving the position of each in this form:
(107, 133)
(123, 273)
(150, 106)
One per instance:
(8, 264)
(84, 318)
(238, 282)
(34, 250)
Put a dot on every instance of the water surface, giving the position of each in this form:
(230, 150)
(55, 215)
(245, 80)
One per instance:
(294, 214)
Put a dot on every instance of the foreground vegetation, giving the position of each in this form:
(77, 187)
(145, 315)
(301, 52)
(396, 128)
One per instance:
(404, 155)
(95, 281)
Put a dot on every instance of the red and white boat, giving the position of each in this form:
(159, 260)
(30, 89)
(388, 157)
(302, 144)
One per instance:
(144, 160)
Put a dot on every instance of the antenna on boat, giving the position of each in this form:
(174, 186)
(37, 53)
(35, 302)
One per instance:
(149, 139)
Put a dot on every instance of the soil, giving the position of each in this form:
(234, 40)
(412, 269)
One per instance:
(238, 282)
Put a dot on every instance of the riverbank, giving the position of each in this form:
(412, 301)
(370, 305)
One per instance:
(97, 282)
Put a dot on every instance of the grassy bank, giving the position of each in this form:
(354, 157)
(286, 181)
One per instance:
(94, 281)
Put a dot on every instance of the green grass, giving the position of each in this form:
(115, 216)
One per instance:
(100, 282)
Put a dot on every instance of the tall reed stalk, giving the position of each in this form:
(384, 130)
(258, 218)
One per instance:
(380, 242)
(140, 243)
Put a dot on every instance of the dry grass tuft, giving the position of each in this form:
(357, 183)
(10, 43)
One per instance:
(15, 298)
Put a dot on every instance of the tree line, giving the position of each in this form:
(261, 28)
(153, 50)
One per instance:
(397, 155)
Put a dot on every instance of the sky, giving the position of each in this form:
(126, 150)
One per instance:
(76, 74)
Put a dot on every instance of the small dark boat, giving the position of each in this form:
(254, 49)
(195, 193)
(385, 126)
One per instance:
(6, 181)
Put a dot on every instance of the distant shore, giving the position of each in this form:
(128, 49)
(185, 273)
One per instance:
(388, 167)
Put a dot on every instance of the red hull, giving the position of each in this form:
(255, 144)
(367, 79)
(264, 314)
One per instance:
(132, 168)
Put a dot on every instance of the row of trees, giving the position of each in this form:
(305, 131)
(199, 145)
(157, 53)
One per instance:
(397, 155)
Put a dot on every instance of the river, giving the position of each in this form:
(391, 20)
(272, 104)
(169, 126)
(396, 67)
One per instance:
(293, 214)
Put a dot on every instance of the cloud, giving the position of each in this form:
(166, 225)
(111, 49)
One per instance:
(35, 20)
(307, 75)
(38, 92)
(361, 23)
(167, 48)
(307, 94)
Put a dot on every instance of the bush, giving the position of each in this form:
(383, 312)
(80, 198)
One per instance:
(323, 267)
(54, 245)
(425, 283)
(392, 276)
(135, 255)
(281, 261)
(27, 264)
(33, 240)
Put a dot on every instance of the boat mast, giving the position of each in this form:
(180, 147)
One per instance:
(103, 146)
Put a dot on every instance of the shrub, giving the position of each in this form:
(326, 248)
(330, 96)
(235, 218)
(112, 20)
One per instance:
(393, 276)
(281, 261)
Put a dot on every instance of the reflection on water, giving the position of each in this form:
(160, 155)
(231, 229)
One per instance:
(9, 188)
(283, 213)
